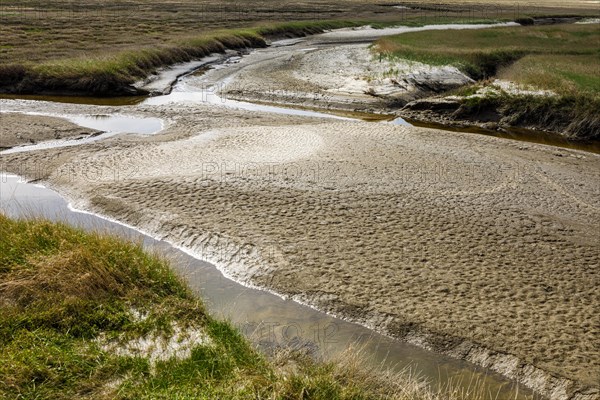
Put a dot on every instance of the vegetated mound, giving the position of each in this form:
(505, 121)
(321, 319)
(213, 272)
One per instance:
(561, 60)
(87, 315)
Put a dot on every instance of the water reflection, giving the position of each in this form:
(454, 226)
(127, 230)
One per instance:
(107, 125)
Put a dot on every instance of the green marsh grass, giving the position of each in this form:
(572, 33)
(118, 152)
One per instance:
(482, 53)
(560, 58)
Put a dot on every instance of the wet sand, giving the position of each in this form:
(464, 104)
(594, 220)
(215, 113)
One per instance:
(321, 72)
(478, 247)
(19, 129)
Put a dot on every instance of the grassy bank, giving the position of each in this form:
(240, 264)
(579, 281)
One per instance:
(559, 58)
(113, 74)
(563, 52)
(85, 315)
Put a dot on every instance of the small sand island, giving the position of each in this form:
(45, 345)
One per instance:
(432, 176)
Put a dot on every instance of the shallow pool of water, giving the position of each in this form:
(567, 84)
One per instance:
(118, 123)
(107, 125)
(517, 134)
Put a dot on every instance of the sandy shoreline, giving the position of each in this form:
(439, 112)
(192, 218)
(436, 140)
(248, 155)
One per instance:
(312, 73)
(417, 233)
(19, 129)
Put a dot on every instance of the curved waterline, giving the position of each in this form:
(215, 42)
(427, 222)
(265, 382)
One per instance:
(107, 125)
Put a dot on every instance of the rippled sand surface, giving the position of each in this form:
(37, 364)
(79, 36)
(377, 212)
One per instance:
(411, 231)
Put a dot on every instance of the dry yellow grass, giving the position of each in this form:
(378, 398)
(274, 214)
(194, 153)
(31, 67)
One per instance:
(100, 48)
(38, 31)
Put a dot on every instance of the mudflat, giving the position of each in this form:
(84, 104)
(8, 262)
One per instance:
(438, 238)
(477, 247)
(314, 73)
(20, 129)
